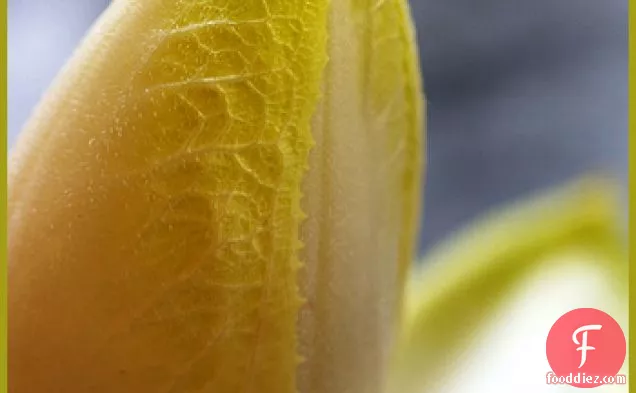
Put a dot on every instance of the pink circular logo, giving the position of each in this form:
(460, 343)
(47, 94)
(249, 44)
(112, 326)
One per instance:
(585, 346)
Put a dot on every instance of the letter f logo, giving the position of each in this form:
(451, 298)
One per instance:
(583, 344)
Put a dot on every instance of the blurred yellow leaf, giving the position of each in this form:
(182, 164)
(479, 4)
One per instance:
(480, 307)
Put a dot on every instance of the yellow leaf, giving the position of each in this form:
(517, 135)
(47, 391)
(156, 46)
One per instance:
(362, 196)
(155, 201)
(508, 277)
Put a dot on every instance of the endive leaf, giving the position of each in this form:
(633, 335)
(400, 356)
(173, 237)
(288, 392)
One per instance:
(362, 196)
(154, 202)
(468, 285)
(161, 182)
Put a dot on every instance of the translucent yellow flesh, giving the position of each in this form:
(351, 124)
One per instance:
(154, 202)
(361, 196)
(466, 283)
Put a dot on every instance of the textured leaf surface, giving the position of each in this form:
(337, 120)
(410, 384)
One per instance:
(155, 196)
(361, 196)
(154, 202)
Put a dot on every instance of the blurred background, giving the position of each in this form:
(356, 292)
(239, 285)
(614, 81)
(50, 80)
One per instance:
(521, 94)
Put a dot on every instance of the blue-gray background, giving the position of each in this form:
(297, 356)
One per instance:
(521, 94)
